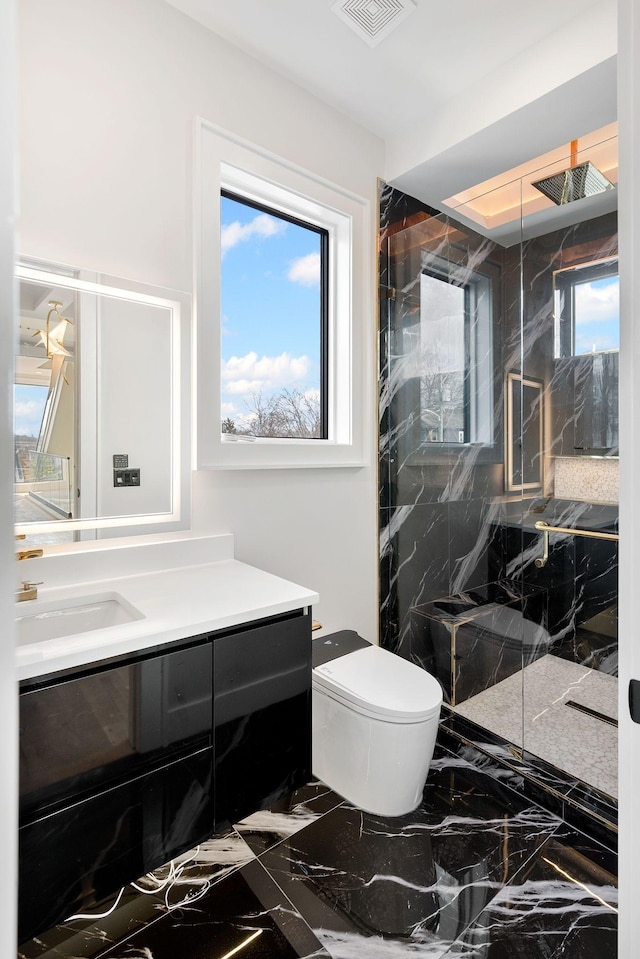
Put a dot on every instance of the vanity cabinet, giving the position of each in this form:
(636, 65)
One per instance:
(262, 698)
(126, 763)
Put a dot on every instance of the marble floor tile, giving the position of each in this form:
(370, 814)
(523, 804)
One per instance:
(182, 881)
(286, 817)
(245, 914)
(476, 872)
(563, 906)
(534, 702)
(411, 884)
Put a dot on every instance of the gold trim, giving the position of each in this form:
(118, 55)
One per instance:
(588, 533)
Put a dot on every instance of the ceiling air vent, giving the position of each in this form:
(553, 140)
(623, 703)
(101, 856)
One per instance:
(373, 20)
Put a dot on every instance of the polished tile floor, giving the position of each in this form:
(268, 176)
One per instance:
(476, 872)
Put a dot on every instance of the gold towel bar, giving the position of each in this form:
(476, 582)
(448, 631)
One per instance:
(590, 533)
(545, 529)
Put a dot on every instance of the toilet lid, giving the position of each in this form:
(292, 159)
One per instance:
(381, 684)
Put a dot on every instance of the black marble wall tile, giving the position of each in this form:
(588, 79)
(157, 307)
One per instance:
(449, 524)
(398, 210)
(440, 494)
(415, 547)
(479, 636)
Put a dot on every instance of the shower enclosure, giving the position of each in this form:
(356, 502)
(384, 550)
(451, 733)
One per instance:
(499, 468)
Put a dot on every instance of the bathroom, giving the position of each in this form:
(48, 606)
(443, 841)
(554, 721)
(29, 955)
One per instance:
(137, 141)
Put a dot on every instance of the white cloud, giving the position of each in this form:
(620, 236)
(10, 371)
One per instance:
(28, 417)
(597, 303)
(305, 270)
(261, 226)
(243, 375)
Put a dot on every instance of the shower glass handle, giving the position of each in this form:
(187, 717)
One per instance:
(634, 700)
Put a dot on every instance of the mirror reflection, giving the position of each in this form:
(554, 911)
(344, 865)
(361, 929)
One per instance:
(97, 405)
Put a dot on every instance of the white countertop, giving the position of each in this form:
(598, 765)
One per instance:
(176, 603)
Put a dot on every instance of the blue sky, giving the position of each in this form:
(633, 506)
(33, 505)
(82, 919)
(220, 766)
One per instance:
(28, 408)
(270, 306)
(597, 315)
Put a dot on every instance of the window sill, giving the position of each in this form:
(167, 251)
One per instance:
(262, 453)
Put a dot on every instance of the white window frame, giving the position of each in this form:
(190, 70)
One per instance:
(224, 161)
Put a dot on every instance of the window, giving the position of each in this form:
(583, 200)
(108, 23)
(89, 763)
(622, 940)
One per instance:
(272, 238)
(456, 381)
(587, 309)
(274, 300)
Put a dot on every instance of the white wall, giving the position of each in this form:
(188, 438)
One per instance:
(134, 405)
(8, 696)
(110, 89)
(629, 648)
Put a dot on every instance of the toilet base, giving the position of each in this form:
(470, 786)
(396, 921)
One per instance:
(378, 766)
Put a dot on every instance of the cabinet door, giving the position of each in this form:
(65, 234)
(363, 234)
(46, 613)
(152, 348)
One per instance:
(82, 733)
(72, 859)
(262, 716)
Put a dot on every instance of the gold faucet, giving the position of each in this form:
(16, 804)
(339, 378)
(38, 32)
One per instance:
(27, 591)
(28, 554)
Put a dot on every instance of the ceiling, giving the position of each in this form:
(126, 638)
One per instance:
(439, 51)
(460, 91)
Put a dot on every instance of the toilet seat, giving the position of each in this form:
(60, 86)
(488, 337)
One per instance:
(381, 685)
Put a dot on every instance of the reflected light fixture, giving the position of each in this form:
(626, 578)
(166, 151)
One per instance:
(53, 338)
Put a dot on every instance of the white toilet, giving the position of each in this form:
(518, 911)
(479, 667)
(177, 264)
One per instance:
(375, 721)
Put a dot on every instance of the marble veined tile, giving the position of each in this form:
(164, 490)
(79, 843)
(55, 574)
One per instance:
(409, 885)
(172, 887)
(535, 700)
(267, 827)
(245, 915)
(564, 906)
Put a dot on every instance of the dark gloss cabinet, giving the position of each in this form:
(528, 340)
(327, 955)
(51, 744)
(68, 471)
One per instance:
(128, 763)
(262, 701)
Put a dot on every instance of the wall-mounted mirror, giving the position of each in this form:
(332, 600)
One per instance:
(101, 406)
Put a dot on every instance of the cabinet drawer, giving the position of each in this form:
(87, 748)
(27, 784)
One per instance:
(81, 734)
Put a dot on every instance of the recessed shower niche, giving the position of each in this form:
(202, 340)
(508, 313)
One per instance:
(498, 465)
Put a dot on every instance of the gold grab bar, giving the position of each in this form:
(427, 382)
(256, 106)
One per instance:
(545, 529)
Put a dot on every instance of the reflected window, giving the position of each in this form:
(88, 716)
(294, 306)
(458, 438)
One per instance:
(456, 377)
(29, 404)
(587, 309)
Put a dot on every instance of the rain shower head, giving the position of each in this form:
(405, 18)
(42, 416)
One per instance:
(574, 184)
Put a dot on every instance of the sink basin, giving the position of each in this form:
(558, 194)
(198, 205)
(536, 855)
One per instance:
(38, 622)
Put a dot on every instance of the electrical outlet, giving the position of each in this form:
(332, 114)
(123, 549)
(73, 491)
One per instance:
(126, 477)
